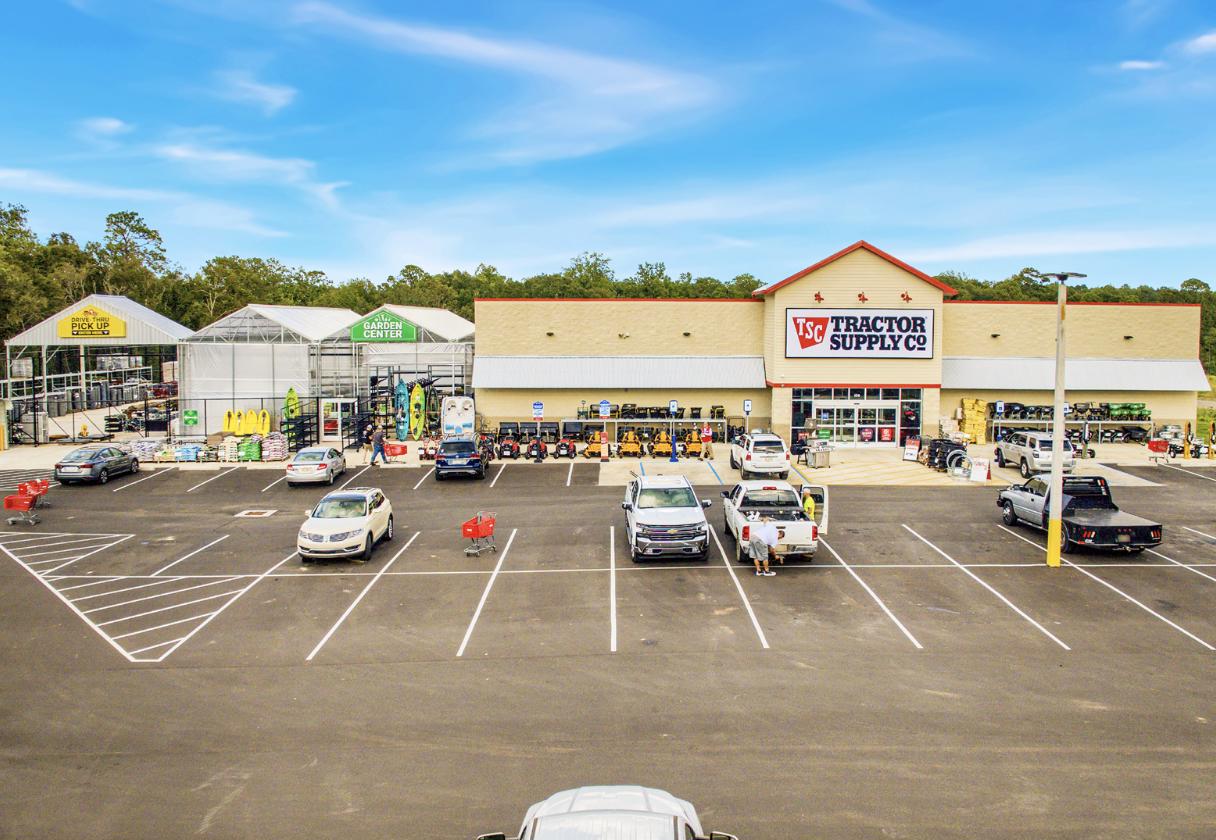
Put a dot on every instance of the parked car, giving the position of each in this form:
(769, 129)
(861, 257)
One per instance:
(315, 464)
(94, 463)
(760, 453)
(346, 523)
(611, 811)
(459, 456)
(1030, 452)
(797, 534)
(664, 518)
(1090, 516)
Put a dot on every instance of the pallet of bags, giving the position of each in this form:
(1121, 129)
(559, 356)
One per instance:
(250, 449)
(186, 452)
(229, 448)
(274, 447)
(974, 420)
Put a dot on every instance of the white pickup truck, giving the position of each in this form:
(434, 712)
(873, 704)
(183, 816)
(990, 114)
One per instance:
(760, 453)
(797, 535)
(664, 518)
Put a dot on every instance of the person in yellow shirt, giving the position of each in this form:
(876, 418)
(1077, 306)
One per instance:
(808, 503)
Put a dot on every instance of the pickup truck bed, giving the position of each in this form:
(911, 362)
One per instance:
(1090, 516)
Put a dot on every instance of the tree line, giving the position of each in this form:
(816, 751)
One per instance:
(38, 277)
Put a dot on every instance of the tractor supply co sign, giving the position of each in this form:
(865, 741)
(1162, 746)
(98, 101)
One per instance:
(859, 333)
(92, 322)
(383, 327)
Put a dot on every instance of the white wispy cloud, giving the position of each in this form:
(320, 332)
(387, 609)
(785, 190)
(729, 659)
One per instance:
(241, 86)
(1201, 44)
(1137, 65)
(185, 208)
(586, 103)
(103, 127)
(918, 40)
(239, 166)
(1060, 242)
(1138, 13)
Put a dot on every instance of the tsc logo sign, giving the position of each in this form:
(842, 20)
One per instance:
(859, 333)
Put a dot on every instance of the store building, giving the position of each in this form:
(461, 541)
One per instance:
(860, 345)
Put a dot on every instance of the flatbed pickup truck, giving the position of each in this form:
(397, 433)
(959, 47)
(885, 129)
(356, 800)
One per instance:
(797, 534)
(1090, 517)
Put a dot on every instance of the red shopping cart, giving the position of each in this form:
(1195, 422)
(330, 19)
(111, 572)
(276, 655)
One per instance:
(479, 529)
(1159, 450)
(22, 505)
(38, 488)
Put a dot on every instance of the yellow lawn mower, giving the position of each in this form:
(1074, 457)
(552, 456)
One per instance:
(629, 445)
(661, 448)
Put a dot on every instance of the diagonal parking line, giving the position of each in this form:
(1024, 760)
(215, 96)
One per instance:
(1115, 589)
(166, 609)
(428, 475)
(213, 478)
(359, 598)
(155, 646)
(873, 595)
(191, 554)
(353, 477)
(94, 582)
(501, 469)
(89, 538)
(160, 582)
(91, 544)
(163, 626)
(746, 603)
(489, 584)
(86, 554)
(273, 483)
(1200, 533)
(154, 596)
(1183, 565)
(990, 588)
(153, 474)
(1189, 472)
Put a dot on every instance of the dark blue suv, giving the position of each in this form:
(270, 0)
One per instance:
(459, 456)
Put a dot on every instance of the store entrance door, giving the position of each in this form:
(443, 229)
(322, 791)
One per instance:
(860, 422)
(336, 415)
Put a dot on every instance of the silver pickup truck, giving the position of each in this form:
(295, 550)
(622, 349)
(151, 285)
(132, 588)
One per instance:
(1090, 517)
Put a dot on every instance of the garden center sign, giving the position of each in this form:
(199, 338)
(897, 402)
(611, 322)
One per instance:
(859, 333)
(92, 322)
(383, 326)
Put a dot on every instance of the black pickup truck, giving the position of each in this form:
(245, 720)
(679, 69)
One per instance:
(1090, 518)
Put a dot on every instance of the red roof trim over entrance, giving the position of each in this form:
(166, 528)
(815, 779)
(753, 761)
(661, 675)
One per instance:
(773, 384)
(856, 246)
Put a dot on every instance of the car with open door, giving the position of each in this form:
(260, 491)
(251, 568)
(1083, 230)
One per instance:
(748, 503)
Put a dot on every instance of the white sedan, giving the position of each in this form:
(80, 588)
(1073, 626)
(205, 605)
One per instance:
(315, 464)
(346, 524)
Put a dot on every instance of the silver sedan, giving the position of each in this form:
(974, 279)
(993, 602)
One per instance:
(315, 464)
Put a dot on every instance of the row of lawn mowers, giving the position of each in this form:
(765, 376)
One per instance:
(1101, 412)
(537, 441)
(1124, 434)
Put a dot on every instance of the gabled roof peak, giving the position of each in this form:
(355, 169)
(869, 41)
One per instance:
(859, 245)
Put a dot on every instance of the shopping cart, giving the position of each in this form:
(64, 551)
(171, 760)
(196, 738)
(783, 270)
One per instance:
(479, 529)
(23, 505)
(1159, 450)
(38, 488)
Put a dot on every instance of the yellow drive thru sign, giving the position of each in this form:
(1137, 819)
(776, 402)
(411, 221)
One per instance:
(91, 322)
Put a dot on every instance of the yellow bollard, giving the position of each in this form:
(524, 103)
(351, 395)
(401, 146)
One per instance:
(1212, 441)
(1186, 441)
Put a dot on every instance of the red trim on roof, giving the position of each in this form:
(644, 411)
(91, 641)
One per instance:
(638, 300)
(772, 384)
(857, 246)
(1074, 303)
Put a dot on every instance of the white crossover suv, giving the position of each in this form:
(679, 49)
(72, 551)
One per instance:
(346, 524)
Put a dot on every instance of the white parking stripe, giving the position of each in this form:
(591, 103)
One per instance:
(570, 474)
(1200, 533)
(359, 598)
(1183, 565)
(746, 603)
(87, 554)
(65, 542)
(163, 626)
(1189, 472)
(160, 582)
(353, 477)
(427, 475)
(94, 582)
(273, 483)
(213, 478)
(166, 609)
(501, 468)
(57, 551)
(153, 597)
(1115, 589)
(612, 584)
(191, 554)
(153, 474)
(154, 647)
(872, 594)
(489, 584)
(991, 589)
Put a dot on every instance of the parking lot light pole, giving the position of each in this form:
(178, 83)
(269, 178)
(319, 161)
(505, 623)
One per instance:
(1055, 525)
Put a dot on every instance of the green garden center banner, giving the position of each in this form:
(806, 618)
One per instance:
(383, 326)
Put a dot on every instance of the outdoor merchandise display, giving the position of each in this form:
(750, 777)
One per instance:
(974, 421)
(274, 447)
(250, 449)
(417, 411)
(457, 416)
(291, 405)
(401, 403)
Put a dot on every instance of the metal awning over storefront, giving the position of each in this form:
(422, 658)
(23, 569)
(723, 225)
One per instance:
(1038, 374)
(685, 372)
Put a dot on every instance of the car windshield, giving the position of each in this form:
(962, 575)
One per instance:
(771, 498)
(457, 447)
(767, 445)
(339, 509)
(80, 456)
(666, 497)
(309, 457)
(593, 824)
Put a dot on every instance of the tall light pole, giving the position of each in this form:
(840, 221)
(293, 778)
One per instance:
(1055, 509)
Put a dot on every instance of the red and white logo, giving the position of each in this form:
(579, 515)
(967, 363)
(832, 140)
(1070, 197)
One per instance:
(811, 331)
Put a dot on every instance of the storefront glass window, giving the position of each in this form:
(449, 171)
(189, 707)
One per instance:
(890, 393)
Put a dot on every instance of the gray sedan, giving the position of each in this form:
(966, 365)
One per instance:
(95, 463)
(315, 464)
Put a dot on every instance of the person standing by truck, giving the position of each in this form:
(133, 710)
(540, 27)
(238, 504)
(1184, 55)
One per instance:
(707, 442)
(762, 542)
(808, 503)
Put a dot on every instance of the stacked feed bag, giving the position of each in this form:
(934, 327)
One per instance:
(250, 449)
(274, 447)
(145, 449)
(165, 453)
(229, 448)
(974, 421)
(187, 452)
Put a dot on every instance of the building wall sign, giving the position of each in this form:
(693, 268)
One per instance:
(383, 327)
(91, 322)
(859, 333)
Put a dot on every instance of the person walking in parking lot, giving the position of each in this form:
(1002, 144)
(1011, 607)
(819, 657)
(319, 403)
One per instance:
(378, 446)
(707, 442)
(366, 440)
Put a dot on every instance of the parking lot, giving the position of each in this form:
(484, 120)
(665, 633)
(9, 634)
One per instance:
(171, 668)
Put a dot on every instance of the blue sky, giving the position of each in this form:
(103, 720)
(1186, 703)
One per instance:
(719, 138)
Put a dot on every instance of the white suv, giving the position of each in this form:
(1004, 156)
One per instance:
(1031, 453)
(347, 523)
(760, 453)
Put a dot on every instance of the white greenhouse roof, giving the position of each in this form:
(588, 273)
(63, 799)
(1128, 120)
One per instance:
(1038, 374)
(144, 326)
(440, 323)
(537, 372)
(257, 322)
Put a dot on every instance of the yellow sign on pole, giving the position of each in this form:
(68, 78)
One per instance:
(92, 322)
